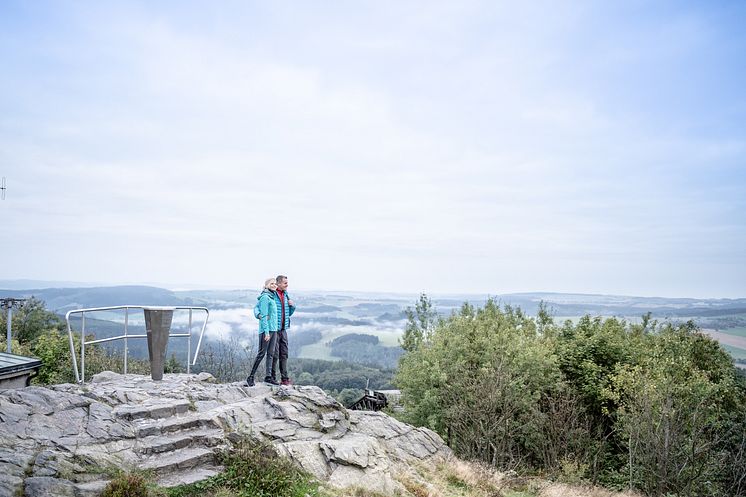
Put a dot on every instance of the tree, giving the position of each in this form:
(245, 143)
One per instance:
(674, 404)
(421, 323)
(31, 320)
(479, 381)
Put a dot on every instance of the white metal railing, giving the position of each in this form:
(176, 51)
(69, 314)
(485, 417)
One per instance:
(80, 376)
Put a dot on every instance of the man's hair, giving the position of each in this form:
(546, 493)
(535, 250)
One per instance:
(280, 278)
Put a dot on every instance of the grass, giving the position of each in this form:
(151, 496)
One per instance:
(134, 484)
(457, 478)
(253, 469)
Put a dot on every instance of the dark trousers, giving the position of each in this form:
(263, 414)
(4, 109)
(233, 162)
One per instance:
(265, 347)
(281, 355)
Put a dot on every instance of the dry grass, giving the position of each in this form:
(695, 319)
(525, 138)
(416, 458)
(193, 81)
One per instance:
(456, 478)
(563, 490)
(415, 488)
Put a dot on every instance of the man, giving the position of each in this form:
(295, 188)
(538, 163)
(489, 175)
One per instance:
(285, 309)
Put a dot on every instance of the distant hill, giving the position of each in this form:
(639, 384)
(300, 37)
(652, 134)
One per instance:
(61, 300)
(568, 304)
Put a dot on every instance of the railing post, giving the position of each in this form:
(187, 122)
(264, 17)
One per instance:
(189, 343)
(10, 319)
(126, 349)
(82, 349)
(72, 348)
(201, 334)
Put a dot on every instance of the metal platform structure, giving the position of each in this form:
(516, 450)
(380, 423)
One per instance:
(16, 371)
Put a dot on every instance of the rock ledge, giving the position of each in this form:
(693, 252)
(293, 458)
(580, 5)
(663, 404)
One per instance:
(65, 440)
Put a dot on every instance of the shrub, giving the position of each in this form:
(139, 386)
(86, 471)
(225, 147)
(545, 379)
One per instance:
(253, 469)
(131, 485)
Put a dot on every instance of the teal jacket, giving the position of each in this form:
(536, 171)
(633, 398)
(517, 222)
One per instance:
(289, 310)
(268, 312)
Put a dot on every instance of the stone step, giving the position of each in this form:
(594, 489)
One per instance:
(146, 428)
(166, 443)
(91, 488)
(188, 476)
(180, 460)
(153, 410)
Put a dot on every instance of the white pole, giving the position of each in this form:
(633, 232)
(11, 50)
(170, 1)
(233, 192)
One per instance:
(10, 319)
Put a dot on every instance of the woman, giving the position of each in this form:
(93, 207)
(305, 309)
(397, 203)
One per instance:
(267, 328)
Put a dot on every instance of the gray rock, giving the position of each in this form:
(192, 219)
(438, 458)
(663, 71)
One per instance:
(38, 486)
(10, 484)
(90, 489)
(63, 440)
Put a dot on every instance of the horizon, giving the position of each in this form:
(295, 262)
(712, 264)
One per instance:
(470, 148)
(25, 284)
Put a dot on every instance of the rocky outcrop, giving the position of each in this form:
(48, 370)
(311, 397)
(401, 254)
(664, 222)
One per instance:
(66, 440)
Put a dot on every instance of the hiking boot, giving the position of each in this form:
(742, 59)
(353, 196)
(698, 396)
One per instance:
(270, 380)
(250, 381)
(286, 382)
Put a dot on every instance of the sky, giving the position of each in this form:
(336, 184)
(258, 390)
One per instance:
(445, 147)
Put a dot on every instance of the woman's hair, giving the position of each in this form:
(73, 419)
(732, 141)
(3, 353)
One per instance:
(268, 282)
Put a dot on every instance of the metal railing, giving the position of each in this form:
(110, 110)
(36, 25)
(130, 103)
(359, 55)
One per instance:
(80, 376)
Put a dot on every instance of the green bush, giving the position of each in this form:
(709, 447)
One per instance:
(674, 407)
(253, 469)
(480, 380)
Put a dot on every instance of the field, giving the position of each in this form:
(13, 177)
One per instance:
(389, 337)
(739, 331)
(735, 352)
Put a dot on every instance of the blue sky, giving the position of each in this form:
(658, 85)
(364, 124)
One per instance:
(445, 147)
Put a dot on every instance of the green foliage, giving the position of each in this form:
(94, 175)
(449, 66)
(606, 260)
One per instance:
(54, 351)
(420, 324)
(253, 469)
(356, 338)
(660, 408)
(673, 405)
(349, 395)
(173, 365)
(335, 376)
(31, 320)
(588, 354)
(479, 381)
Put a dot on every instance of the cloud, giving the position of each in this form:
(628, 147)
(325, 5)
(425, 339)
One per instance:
(376, 149)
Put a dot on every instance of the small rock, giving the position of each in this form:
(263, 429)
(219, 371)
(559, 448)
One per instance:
(37, 486)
